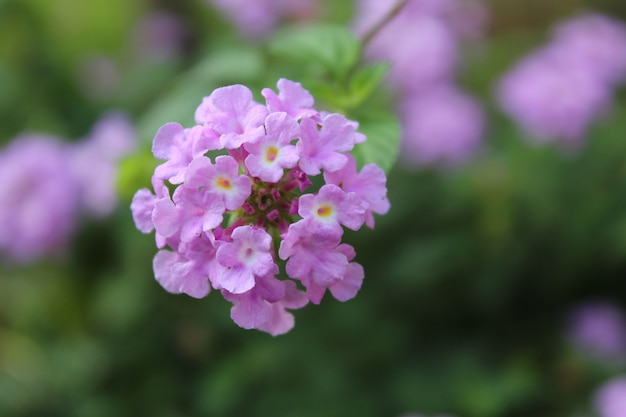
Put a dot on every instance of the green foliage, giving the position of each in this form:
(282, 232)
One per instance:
(381, 147)
(331, 48)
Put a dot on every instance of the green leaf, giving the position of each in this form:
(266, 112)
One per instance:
(135, 172)
(360, 88)
(383, 140)
(178, 104)
(365, 81)
(331, 47)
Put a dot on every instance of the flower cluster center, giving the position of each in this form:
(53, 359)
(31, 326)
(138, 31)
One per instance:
(272, 205)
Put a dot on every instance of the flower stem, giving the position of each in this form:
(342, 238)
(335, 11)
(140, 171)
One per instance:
(386, 19)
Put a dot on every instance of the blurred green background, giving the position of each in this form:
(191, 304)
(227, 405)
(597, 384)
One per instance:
(469, 278)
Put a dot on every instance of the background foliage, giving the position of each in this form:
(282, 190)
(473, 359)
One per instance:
(468, 282)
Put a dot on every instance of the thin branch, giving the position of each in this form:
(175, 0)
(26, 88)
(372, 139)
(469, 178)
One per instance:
(377, 27)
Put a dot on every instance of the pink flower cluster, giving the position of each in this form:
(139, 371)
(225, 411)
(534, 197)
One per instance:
(230, 220)
(588, 52)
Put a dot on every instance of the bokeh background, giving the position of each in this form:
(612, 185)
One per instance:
(495, 286)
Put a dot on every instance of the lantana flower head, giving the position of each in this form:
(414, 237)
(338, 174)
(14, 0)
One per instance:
(230, 220)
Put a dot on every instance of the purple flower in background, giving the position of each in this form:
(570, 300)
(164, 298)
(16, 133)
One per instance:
(555, 93)
(441, 126)
(94, 162)
(257, 18)
(232, 220)
(422, 51)
(539, 94)
(610, 398)
(422, 40)
(49, 184)
(38, 198)
(599, 330)
(595, 42)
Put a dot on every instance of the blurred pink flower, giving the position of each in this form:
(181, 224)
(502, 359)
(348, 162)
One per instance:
(555, 93)
(441, 126)
(94, 162)
(258, 18)
(599, 330)
(49, 184)
(38, 198)
(596, 42)
(551, 100)
(610, 398)
(422, 40)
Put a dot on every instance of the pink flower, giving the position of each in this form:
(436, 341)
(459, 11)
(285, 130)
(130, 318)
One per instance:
(280, 321)
(325, 148)
(178, 146)
(331, 208)
(192, 212)
(187, 270)
(142, 207)
(291, 99)
(221, 179)
(177, 274)
(264, 306)
(350, 284)
(369, 185)
(143, 202)
(273, 152)
(247, 256)
(233, 114)
(313, 258)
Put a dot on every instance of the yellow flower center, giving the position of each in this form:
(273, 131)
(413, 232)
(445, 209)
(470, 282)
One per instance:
(271, 154)
(324, 211)
(223, 183)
